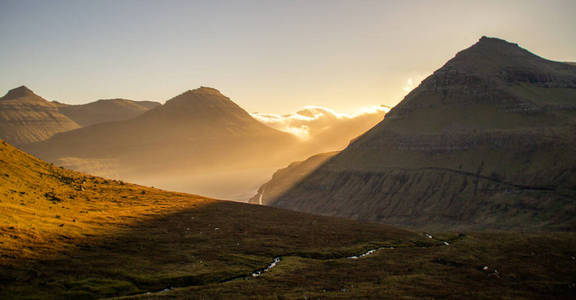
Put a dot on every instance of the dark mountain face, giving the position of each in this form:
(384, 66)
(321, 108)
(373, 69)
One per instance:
(198, 129)
(108, 110)
(26, 118)
(486, 142)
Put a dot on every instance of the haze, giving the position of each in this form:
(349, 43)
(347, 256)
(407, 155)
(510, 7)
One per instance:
(270, 56)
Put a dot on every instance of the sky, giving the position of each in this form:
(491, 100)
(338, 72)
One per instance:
(267, 56)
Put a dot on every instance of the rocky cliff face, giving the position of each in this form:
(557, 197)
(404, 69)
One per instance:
(486, 142)
(26, 118)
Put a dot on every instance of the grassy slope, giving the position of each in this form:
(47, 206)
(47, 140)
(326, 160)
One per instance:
(63, 233)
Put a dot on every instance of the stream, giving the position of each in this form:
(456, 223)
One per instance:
(275, 262)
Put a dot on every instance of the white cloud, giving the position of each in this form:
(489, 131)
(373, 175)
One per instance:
(311, 121)
(409, 85)
(412, 82)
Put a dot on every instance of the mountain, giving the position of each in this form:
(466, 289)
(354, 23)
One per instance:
(285, 179)
(26, 117)
(485, 142)
(68, 235)
(107, 110)
(197, 132)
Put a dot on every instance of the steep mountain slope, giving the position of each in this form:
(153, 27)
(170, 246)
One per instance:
(285, 179)
(109, 110)
(197, 130)
(486, 142)
(26, 117)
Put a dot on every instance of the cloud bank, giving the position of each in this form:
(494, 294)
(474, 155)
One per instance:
(323, 125)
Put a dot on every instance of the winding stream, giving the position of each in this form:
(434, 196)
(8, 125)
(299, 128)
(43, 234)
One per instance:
(371, 251)
(272, 265)
(276, 261)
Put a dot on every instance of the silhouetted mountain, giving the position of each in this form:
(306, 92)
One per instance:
(108, 110)
(26, 117)
(197, 129)
(486, 142)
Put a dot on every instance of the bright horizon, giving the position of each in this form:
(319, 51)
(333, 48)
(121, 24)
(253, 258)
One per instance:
(267, 56)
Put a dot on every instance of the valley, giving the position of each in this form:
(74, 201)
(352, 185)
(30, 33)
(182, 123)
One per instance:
(287, 150)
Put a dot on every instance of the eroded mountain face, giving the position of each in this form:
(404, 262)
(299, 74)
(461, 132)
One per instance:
(486, 142)
(26, 118)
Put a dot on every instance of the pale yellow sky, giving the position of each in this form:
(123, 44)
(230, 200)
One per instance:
(268, 56)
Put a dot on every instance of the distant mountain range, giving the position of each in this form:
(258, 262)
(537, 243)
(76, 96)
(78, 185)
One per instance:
(27, 118)
(197, 130)
(199, 141)
(486, 142)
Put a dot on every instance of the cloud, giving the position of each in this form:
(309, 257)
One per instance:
(316, 121)
(413, 82)
(409, 85)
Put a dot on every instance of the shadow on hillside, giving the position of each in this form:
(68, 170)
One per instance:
(208, 244)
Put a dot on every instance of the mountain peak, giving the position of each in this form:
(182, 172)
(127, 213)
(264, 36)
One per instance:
(493, 40)
(492, 44)
(18, 92)
(491, 48)
(200, 95)
(203, 90)
(203, 102)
